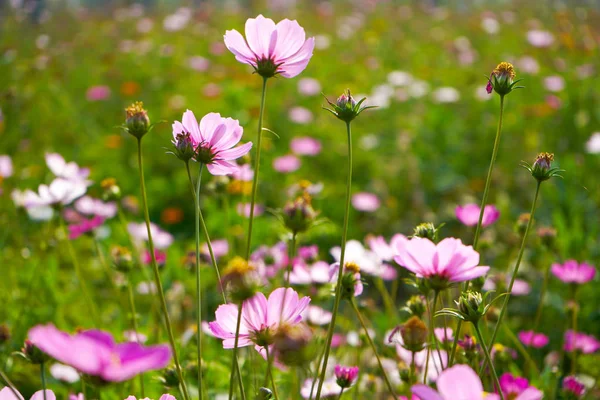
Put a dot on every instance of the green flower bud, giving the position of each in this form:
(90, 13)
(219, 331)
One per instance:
(426, 230)
(299, 215)
(137, 122)
(469, 305)
(346, 108)
(414, 334)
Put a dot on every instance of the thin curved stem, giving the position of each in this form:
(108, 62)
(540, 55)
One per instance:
(574, 327)
(292, 254)
(538, 313)
(338, 287)
(433, 337)
(270, 372)
(364, 326)
(234, 364)
(198, 279)
(516, 270)
(256, 166)
(134, 325)
(157, 280)
(43, 377)
(454, 343)
(10, 385)
(341, 393)
(489, 360)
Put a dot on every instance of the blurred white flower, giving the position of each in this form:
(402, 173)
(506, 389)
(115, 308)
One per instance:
(490, 25)
(554, 83)
(540, 38)
(593, 144)
(446, 95)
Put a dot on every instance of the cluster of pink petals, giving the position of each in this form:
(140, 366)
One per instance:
(243, 209)
(66, 170)
(469, 214)
(89, 206)
(316, 315)
(386, 251)
(457, 382)
(368, 261)
(85, 226)
(95, 353)
(7, 394)
(258, 315)
(244, 173)
(365, 202)
(284, 44)
(571, 385)
(286, 164)
(533, 339)
(444, 334)
(345, 376)
(514, 387)
(59, 192)
(220, 249)
(97, 93)
(304, 273)
(449, 259)
(577, 341)
(573, 272)
(161, 239)
(216, 135)
(305, 146)
(160, 256)
(270, 260)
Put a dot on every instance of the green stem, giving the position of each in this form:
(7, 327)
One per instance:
(157, 280)
(413, 374)
(43, 376)
(338, 287)
(436, 296)
(538, 313)
(516, 271)
(292, 254)
(270, 372)
(364, 326)
(488, 180)
(574, 326)
(256, 166)
(77, 267)
(489, 359)
(316, 376)
(135, 329)
(235, 366)
(341, 393)
(10, 385)
(455, 343)
(106, 267)
(387, 298)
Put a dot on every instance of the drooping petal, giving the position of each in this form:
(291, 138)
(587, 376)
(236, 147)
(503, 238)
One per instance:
(235, 42)
(7, 394)
(135, 359)
(222, 167)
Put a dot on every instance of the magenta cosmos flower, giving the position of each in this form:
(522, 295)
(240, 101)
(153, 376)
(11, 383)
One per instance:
(212, 141)
(272, 49)
(7, 394)
(533, 339)
(260, 317)
(457, 382)
(469, 214)
(573, 272)
(345, 376)
(85, 226)
(576, 341)
(448, 261)
(515, 387)
(95, 353)
(571, 386)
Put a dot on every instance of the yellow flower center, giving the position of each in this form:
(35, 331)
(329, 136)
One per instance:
(135, 109)
(505, 68)
(352, 267)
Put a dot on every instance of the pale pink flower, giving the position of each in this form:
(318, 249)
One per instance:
(161, 239)
(305, 146)
(573, 272)
(66, 170)
(89, 206)
(63, 373)
(577, 341)
(316, 315)
(272, 49)
(159, 256)
(163, 397)
(243, 209)
(457, 382)
(7, 394)
(309, 87)
(259, 317)
(533, 339)
(60, 191)
(368, 261)
(386, 251)
(270, 260)
(198, 63)
(554, 83)
(540, 38)
(444, 334)
(213, 139)
(286, 164)
(366, 202)
(244, 173)
(220, 249)
(6, 166)
(592, 146)
(304, 273)
(449, 260)
(97, 93)
(469, 214)
(329, 390)
(300, 115)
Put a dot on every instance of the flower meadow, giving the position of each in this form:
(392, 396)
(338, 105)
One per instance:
(299, 200)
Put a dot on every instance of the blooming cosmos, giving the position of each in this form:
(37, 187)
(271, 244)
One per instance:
(533, 339)
(368, 261)
(272, 49)
(260, 318)
(577, 341)
(212, 140)
(573, 272)
(85, 226)
(518, 388)
(345, 376)
(457, 382)
(95, 353)
(469, 214)
(571, 386)
(163, 397)
(60, 191)
(7, 394)
(66, 170)
(448, 261)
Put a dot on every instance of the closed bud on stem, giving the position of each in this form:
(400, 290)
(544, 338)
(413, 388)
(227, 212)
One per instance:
(264, 394)
(522, 222)
(183, 147)
(299, 215)
(346, 108)
(351, 281)
(122, 259)
(416, 306)
(240, 279)
(137, 122)
(292, 344)
(502, 79)
(469, 305)
(414, 334)
(547, 236)
(427, 230)
(170, 378)
(33, 354)
(110, 189)
(345, 377)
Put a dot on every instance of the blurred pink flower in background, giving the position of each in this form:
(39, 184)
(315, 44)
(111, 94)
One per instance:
(270, 260)
(162, 239)
(386, 251)
(283, 46)
(85, 226)
(161, 257)
(305, 146)
(540, 38)
(553, 101)
(300, 115)
(346, 376)
(333, 277)
(66, 170)
(528, 64)
(304, 273)
(444, 334)
(446, 95)
(520, 287)
(573, 387)
(554, 83)
(592, 146)
(518, 388)
(370, 263)
(7, 394)
(60, 191)
(98, 93)
(286, 164)
(573, 272)
(469, 214)
(220, 249)
(309, 86)
(198, 63)
(89, 206)
(316, 315)
(6, 166)
(64, 373)
(244, 173)
(243, 209)
(533, 339)
(366, 202)
(577, 341)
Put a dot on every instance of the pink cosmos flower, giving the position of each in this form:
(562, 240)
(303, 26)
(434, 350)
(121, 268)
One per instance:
(161, 257)
(60, 191)
(469, 214)
(244, 173)
(309, 86)
(85, 226)
(213, 140)
(300, 115)
(89, 206)
(305, 146)
(316, 315)
(573, 387)
(368, 261)
(260, 317)
(163, 397)
(573, 272)
(243, 209)
(444, 334)
(162, 239)
(286, 164)
(366, 202)
(457, 382)
(539, 38)
(95, 353)
(386, 251)
(6, 166)
(309, 253)
(270, 260)
(345, 376)
(304, 273)
(554, 83)
(272, 49)
(536, 340)
(518, 388)
(329, 390)
(78, 396)
(7, 394)
(577, 341)
(97, 93)
(220, 249)
(449, 260)
(66, 170)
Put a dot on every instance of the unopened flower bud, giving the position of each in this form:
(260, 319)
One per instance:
(346, 108)
(426, 230)
(502, 79)
(299, 215)
(137, 122)
(414, 334)
(416, 305)
(264, 394)
(121, 258)
(4, 334)
(547, 235)
(240, 279)
(469, 305)
(345, 377)
(33, 353)
(522, 222)
(292, 344)
(183, 147)
(542, 167)
(111, 191)
(351, 281)
(170, 378)
(477, 283)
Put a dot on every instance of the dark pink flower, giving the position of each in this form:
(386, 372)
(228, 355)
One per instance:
(213, 140)
(95, 353)
(345, 376)
(577, 341)
(518, 388)
(449, 260)
(469, 214)
(85, 226)
(573, 272)
(573, 386)
(530, 338)
(272, 49)
(161, 257)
